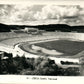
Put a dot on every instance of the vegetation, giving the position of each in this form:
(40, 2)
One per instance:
(37, 66)
(49, 27)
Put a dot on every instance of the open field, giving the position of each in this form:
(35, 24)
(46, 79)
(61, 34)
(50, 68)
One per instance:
(65, 46)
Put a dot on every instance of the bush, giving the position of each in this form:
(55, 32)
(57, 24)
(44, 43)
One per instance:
(37, 66)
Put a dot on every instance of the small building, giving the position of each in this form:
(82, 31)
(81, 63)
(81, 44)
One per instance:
(33, 31)
(29, 30)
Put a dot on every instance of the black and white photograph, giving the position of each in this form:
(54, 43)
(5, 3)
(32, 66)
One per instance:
(41, 40)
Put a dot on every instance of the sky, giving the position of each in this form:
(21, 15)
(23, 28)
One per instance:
(41, 14)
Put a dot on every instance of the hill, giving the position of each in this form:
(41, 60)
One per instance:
(50, 27)
(4, 28)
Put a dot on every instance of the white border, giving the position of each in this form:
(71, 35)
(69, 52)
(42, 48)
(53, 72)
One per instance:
(19, 79)
(49, 2)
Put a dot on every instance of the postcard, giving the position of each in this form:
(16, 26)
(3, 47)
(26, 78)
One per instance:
(41, 41)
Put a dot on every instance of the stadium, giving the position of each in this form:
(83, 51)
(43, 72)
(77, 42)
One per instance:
(53, 46)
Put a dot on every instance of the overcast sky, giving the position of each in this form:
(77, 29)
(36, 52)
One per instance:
(42, 14)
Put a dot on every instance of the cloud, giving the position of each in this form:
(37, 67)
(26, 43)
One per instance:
(25, 12)
(20, 13)
(57, 12)
(72, 14)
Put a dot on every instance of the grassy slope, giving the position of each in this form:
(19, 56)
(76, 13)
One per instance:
(6, 35)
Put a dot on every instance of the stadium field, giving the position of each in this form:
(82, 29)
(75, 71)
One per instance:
(68, 47)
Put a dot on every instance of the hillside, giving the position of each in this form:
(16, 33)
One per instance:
(4, 28)
(50, 27)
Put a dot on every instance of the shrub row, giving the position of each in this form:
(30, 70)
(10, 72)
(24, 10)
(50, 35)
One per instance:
(35, 66)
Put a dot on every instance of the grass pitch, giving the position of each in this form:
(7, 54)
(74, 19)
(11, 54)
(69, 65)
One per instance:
(67, 47)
